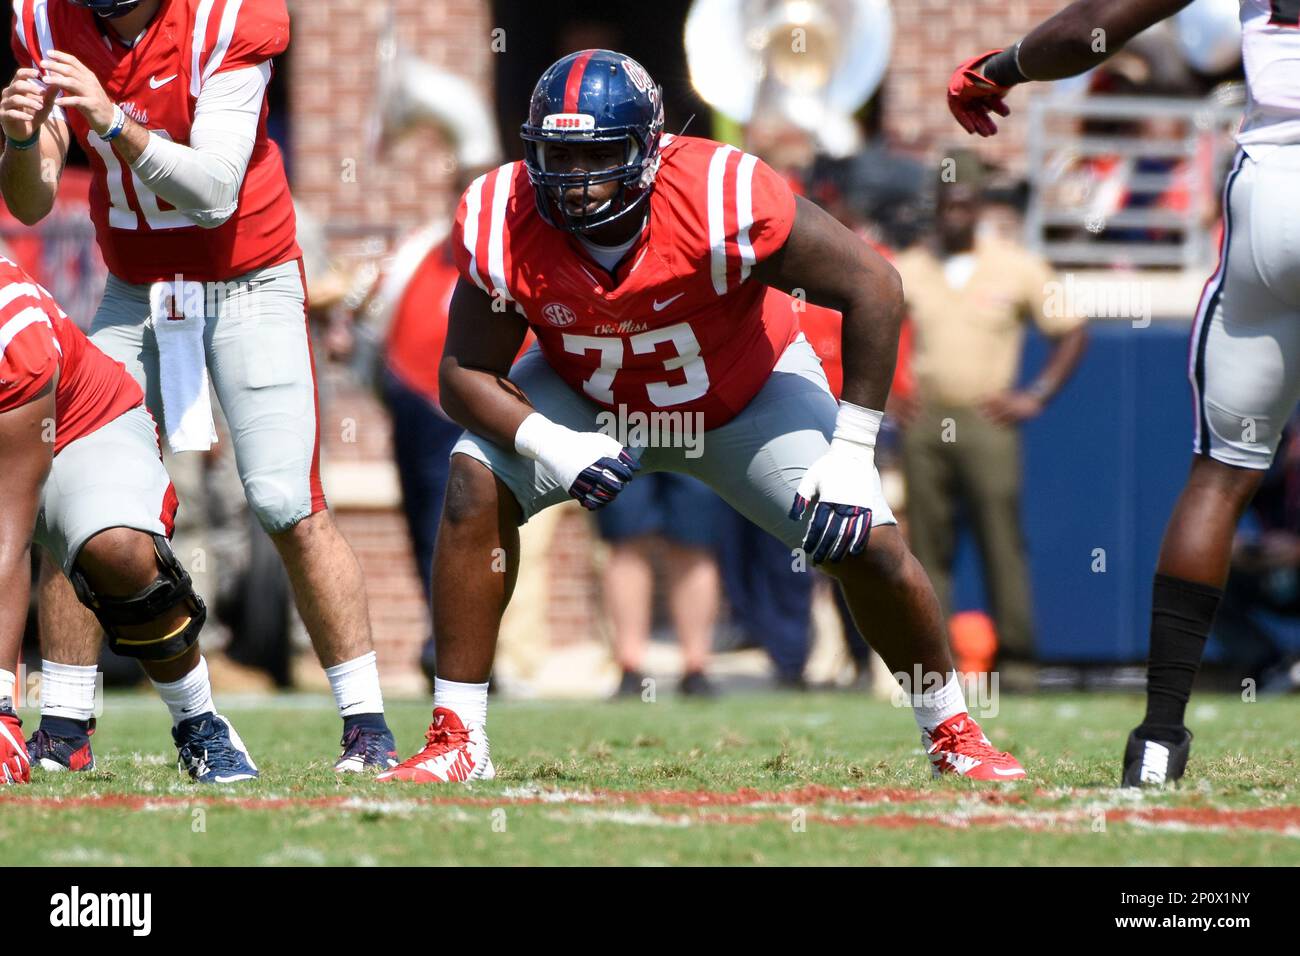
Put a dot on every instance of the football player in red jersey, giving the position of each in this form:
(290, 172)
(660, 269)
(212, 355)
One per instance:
(654, 271)
(80, 457)
(168, 98)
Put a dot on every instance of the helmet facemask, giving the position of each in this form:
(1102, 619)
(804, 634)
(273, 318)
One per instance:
(634, 174)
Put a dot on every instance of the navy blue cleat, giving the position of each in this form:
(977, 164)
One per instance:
(366, 748)
(55, 752)
(210, 751)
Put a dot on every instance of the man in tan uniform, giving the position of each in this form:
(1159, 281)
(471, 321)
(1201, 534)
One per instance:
(969, 298)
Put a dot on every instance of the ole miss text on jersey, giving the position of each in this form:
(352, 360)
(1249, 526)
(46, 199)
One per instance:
(157, 82)
(677, 326)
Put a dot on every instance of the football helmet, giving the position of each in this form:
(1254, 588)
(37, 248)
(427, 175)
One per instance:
(589, 97)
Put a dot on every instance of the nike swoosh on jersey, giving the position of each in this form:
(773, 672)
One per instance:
(155, 83)
(660, 306)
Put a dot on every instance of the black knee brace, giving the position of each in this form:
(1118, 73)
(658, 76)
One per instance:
(171, 588)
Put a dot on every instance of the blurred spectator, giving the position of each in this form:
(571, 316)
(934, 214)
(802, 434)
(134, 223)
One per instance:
(1265, 575)
(422, 434)
(680, 514)
(969, 298)
(771, 601)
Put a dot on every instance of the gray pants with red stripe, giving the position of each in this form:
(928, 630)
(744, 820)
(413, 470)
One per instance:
(754, 462)
(1244, 361)
(260, 364)
(111, 478)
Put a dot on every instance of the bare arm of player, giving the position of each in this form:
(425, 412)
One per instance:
(476, 392)
(26, 451)
(472, 378)
(1087, 32)
(825, 263)
(29, 178)
(1075, 40)
(828, 265)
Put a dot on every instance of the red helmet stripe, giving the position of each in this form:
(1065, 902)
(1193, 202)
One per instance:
(573, 85)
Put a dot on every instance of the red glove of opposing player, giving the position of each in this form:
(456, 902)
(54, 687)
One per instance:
(14, 765)
(971, 97)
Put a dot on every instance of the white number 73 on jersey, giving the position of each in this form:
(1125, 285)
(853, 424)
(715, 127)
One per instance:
(662, 394)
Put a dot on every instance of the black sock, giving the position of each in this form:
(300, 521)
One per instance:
(374, 722)
(1181, 615)
(65, 727)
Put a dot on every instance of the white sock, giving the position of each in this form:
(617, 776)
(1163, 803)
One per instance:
(8, 681)
(466, 701)
(356, 686)
(931, 708)
(189, 696)
(68, 690)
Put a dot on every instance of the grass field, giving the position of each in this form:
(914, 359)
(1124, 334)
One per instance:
(752, 779)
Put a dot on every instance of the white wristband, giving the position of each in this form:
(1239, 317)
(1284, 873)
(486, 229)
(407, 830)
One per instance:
(857, 424)
(534, 433)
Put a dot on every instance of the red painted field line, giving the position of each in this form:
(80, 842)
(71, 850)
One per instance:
(1263, 818)
(688, 798)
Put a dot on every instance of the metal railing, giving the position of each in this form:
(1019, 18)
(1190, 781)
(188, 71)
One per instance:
(1099, 197)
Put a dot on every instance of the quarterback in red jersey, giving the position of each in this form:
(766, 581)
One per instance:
(194, 219)
(84, 478)
(663, 277)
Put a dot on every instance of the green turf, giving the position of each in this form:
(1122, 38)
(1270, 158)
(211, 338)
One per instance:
(1245, 758)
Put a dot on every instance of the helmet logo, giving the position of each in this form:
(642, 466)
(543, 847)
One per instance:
(637, 74)
(559, 315)
(577, 121)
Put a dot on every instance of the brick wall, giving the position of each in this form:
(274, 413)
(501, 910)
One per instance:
(931, 38)
(355, 194)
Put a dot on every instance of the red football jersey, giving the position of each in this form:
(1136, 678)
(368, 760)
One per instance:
(157, 82)
(36, 340)
(677, 327)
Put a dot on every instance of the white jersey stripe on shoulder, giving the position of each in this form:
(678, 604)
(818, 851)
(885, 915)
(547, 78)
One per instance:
(717, 232)
(20, 27)
(473, 203)
(41, 17)
(224, 36)
(497, 235)
(12, 291)
(745, 211)
(27, 317)
(197, 41)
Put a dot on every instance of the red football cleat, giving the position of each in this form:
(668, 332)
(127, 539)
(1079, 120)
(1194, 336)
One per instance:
(453, 753)
(959, 746)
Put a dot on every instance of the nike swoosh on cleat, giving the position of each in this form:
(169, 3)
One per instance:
(1007, 773)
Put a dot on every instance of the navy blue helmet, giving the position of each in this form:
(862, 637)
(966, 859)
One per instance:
(108, 8)
(591, 97)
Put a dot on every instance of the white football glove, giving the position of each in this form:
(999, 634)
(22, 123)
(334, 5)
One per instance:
(591, 466)
(844, 484)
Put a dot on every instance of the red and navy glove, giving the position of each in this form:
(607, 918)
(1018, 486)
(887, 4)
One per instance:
(15, 767)
(845, 485)
(972, 97)
(599, 483)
